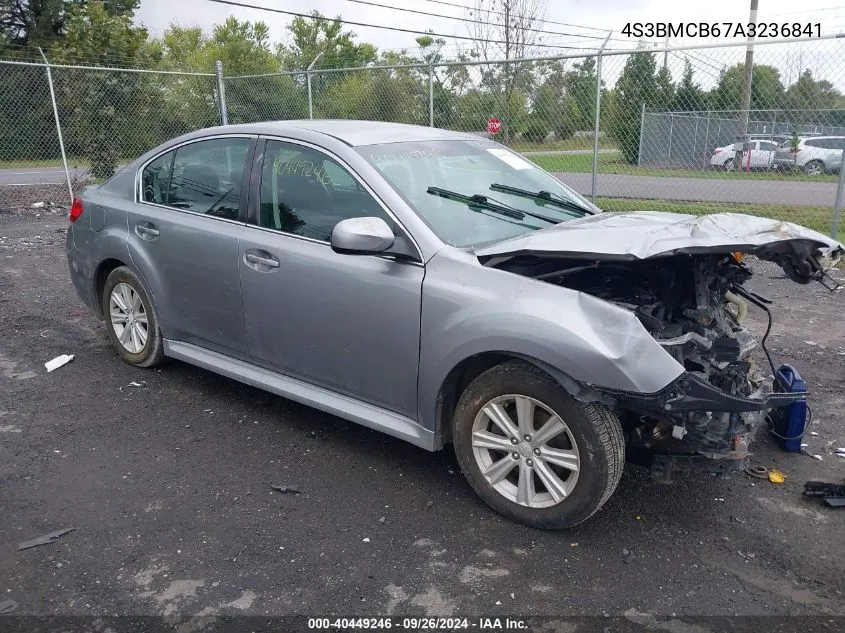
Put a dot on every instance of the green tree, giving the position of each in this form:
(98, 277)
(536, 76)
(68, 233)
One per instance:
(320, 35)
(688, 96)
(244, 48)
(580, 85)
(42, 22)
(810, 100)
(103, 108)
(767, 92)
(639, 83)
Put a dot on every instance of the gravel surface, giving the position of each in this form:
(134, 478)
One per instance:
(167, 477)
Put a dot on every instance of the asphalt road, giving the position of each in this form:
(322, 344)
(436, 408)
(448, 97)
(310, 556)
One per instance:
(37, 175)
(166, 475)
(789, 192)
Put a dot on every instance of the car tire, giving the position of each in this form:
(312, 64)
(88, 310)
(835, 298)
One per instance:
(728, 165)
(814, 168)
(131, 320)
(591, 445)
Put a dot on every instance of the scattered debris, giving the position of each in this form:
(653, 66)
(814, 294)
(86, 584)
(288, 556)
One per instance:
(365, 540)
(760, 472)
(286, 490)
(135, 384)
(776, 476)
(37, 205)
(345, 529)
(573, 545)
(428, 504)
(811, 343)
(513, 596)
(382, 520)
(818, 457)
(814, 433)
(8, 606)
(498, 602)
(58, 361)
(722, 499)
(41, 334)
(44, 540)
(833, 494)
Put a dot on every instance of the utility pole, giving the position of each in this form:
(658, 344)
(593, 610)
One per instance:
(746, 86)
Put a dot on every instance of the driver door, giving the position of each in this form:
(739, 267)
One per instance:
(350, 323)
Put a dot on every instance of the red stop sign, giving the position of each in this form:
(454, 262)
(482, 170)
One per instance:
(494, 125)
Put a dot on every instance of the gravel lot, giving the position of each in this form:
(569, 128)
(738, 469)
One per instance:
(167, 475)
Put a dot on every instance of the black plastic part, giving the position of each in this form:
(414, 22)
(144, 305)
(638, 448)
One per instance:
(725, 349)
(691, 393)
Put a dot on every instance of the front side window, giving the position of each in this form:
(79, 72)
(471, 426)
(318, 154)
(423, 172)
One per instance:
(482, 169)
(305, 192)
(204, 177)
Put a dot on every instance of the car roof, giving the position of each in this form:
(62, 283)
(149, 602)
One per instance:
(351, 132)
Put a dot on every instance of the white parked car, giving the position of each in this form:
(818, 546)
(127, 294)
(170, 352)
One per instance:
(815, 155)
(762, 155)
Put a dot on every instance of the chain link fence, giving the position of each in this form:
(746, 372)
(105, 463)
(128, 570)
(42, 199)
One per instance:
(663, 130)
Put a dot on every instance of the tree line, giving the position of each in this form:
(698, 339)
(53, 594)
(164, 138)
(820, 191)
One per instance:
(108, 116)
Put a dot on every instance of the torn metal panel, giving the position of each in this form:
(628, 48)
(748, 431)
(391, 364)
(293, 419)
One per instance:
(647, 234)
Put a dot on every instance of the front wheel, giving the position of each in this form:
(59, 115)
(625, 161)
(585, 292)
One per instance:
(534, 453)
(729, 164)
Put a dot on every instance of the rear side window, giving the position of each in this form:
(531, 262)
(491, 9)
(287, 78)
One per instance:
(203, 177)
(814, 143)
(156, 179)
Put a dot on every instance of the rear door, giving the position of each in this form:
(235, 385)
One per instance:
(183, 237)
(350, 323)
(763, 154)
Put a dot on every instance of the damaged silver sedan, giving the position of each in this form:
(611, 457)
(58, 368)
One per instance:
(444, 290)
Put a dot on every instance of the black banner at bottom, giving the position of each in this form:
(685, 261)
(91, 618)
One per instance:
(638, 623)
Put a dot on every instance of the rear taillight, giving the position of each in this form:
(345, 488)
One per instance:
(794, 150)
(76, 209)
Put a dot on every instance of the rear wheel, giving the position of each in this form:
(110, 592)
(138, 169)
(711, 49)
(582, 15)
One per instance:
(814, 168)
(130, 319)
(532, 452)
(729, 164)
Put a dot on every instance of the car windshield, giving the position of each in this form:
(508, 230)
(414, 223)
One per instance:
(427, 173)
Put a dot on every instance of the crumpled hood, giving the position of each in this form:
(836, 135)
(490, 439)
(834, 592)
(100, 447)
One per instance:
(646, 234)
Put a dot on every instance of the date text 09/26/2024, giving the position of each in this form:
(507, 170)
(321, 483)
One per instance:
(773, 30)
(418, 624)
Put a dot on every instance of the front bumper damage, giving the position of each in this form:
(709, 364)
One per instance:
(701, 427)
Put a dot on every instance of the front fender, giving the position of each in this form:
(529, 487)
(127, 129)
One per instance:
(468, 309)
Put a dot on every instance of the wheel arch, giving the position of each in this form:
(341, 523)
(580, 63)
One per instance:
(459, 377)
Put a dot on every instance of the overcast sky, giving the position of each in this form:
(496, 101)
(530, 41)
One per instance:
(595, 16)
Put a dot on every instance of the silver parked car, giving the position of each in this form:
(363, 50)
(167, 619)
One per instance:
(442, 289)
(815, 154)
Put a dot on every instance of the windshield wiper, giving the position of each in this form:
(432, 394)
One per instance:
(484, 202)
(544, 196)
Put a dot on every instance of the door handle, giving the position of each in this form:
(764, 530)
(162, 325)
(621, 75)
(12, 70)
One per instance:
(146, 231)
(270, 262)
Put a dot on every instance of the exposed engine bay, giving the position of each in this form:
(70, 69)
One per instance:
(695, 307)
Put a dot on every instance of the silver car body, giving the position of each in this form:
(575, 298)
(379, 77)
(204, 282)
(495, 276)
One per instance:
(826, 151)
(378, 340)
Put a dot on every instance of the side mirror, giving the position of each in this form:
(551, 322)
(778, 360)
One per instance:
(362, 236)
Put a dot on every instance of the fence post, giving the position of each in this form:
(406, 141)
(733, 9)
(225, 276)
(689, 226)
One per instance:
(58, 123)
(221, 94)
(430, 95)
(642, 123)
(598, 119)
(671, 131)
(308, 77)
(837, 205)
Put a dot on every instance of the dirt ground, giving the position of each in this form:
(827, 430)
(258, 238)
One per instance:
(166, 475)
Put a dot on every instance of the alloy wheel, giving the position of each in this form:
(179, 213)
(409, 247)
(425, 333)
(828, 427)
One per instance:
(525, 451)
(128, 317)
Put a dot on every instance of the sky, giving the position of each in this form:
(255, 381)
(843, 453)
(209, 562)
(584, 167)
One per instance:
(591, 18)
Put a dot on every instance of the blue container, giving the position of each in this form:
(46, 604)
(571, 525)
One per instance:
(790, 421)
